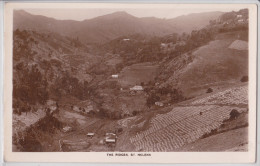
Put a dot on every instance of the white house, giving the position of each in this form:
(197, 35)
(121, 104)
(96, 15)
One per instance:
(110, 138)
(158, 103)
(126, 39)
(137, 88)
(115, 76)
(91, 135)
(163, 45)
(240, 20)
(67, 129)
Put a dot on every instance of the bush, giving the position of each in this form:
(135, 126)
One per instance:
(135, 113)
(244, 79)
(152, 99)
(234, 114)
(119, 130)
(209, 90)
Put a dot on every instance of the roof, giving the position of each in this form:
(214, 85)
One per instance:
(110, 134)
(137, 87)
(91, 134)
(110, 137)
(115, 75)
(110, 140)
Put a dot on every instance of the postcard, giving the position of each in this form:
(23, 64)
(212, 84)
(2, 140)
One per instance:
(130, 82)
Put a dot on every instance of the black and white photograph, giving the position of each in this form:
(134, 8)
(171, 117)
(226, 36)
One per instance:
(122, 79)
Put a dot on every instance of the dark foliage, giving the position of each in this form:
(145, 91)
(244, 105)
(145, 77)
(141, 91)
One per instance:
(32, 86)
(209, 90)
(234, 114)
(244, 79)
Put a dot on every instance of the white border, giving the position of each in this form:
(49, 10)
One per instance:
(157, 157)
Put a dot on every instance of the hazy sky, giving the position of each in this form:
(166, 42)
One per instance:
(82, 14)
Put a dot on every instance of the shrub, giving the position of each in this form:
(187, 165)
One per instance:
(152, 99)
(135, 113)
(244, 79)
(209, 90)
(120, 130)
(234, 114)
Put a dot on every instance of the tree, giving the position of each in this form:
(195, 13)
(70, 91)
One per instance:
(244, 79)
(234, 114)
(209, 90)
(152, 99)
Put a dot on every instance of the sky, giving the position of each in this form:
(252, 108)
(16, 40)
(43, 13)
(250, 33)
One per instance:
(82, 14)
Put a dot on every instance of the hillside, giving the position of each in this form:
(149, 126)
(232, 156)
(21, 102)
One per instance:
(212, 65)
(104, 28)
(213, 57)
(150, 86)
(194, 21)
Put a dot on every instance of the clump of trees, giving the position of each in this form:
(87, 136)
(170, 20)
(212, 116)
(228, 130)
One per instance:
(30, 87)
(234, 114)
(104, 113)
(152, 99)
(244, 79)
(156, 94)
(69, 85)
(22, 45)
(209, 90)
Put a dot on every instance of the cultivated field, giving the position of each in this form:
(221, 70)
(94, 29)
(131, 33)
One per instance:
(232, 96)
(186, 124)
(137, 73)
(181, 126)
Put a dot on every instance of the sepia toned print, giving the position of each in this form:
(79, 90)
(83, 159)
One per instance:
(123, 81)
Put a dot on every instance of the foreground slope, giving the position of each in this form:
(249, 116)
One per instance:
(175, 127)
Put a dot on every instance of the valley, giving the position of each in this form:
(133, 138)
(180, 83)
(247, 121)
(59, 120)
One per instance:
(133, 91)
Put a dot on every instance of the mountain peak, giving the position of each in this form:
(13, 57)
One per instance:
(119, 14)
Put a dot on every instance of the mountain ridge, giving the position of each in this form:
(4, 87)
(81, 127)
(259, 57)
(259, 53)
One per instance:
(107, 27)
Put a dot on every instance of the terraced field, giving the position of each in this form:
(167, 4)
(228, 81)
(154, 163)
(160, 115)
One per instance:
(186, 124)
(232, 96)
(181, 126)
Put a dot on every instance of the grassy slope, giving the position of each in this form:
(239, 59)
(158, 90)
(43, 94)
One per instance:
(137, 73)
(213, 64)
(229, 141)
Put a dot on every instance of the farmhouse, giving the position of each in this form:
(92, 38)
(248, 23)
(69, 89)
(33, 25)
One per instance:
(163, 45)
(158, 103)
(137, 88)
(240, 20)
(115, 76)
(67, 129)
(126, 39)
(110, 138)
(90, 135)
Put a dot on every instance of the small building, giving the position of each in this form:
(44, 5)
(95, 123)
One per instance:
(137, 88)
(163, 45)
(67, 129)
(115, 76)
(240, 20)
(159, 104)
(91, 135)
(110, 138)
(126, 39)
(239, 16)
